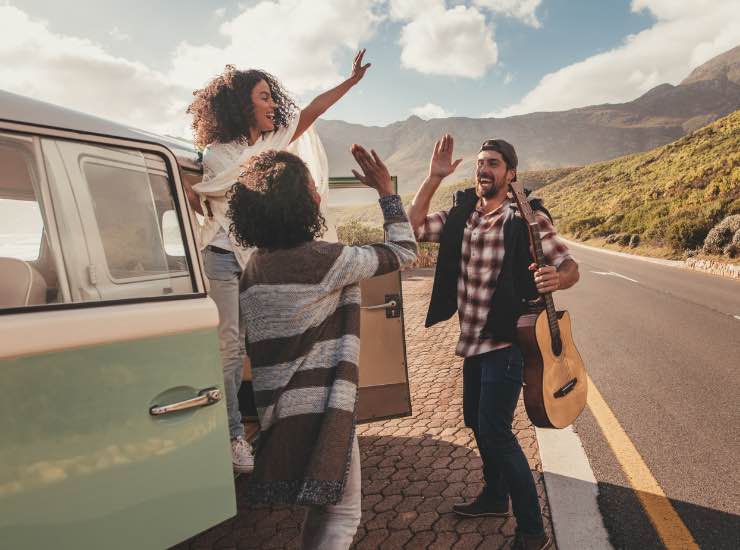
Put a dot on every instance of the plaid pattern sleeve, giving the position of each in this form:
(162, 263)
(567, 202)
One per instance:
(556, 251)
(431, 230)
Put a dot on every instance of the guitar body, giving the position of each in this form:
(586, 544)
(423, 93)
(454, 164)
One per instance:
(555, 385)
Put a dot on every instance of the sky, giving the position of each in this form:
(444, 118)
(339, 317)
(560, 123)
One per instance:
(139, 62)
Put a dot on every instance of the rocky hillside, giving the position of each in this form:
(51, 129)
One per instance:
(551, 139)
(668, 197)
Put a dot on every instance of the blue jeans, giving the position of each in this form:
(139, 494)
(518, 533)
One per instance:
(492, 383)
(223, 274)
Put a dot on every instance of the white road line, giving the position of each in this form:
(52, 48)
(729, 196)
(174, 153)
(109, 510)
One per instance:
(571, 491)
(614, 274)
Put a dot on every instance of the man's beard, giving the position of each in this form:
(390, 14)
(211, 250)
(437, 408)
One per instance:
(490, 191)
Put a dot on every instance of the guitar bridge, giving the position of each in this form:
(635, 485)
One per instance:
(566, 389)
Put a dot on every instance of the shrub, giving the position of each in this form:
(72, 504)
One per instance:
(722, 235)
(358, 233)
(686, 233)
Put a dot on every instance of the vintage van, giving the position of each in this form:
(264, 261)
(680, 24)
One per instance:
(113, 429)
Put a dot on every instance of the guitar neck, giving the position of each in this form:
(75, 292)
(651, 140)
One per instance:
(540, 260)
(539, 257)
(525, 209)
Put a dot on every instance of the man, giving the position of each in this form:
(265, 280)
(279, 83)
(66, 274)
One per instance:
(484, 272)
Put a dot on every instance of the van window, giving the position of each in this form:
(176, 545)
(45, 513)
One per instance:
(27, 271)
(127, 215)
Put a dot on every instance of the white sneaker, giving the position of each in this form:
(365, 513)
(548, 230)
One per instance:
(241, 455)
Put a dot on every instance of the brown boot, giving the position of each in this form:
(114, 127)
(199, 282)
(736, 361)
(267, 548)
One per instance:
(531, 542)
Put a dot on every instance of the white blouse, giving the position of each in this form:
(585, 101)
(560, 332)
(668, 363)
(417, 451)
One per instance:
(221, 167)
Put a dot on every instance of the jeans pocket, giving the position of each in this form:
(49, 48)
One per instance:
(220, 267)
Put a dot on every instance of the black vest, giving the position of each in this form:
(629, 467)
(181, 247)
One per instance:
(515, 285)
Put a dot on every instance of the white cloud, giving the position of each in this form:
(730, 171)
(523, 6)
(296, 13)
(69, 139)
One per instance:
(685, 35)
(80, 74)
(219, 13)
(508, 78)
(430, 110)
(316, 31)
(117, 34)
(523, 10)
(405, 10)
(297, 40)
(450, 42)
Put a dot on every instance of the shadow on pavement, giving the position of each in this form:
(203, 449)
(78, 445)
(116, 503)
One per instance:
(409, 485)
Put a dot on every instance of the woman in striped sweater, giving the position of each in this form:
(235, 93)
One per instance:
(300, 300)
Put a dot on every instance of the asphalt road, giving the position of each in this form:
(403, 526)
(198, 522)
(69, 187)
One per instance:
(662, 344)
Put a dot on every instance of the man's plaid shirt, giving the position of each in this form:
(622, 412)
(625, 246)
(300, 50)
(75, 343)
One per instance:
(480, 265)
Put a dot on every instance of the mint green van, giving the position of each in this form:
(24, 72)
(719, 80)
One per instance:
(113, 428)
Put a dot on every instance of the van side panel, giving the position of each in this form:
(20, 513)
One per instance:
(85, 465)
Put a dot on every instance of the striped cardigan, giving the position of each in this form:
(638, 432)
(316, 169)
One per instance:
(301, 307)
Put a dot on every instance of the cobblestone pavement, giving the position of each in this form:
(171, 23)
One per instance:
(413, 469)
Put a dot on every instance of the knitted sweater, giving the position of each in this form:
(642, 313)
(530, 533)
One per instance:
(301, 307)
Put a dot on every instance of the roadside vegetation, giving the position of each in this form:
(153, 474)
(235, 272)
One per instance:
(664, 202)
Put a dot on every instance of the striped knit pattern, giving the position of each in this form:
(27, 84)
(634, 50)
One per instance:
(301, 307)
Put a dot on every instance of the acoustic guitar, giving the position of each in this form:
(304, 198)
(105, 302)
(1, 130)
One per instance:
(555, 383)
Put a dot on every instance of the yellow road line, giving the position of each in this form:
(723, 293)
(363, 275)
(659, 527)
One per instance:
(672, 531)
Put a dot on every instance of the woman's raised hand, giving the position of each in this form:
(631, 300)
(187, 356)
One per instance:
(358, 69)
(441, 164)
(375, 174)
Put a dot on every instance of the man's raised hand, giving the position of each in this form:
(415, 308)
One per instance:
(441, 164)
(374, 172)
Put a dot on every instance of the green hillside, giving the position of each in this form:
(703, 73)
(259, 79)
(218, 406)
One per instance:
(668, 197)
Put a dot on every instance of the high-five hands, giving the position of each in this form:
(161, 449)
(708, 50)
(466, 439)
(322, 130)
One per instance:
(375, 174)
(358, 69)
(441, 164)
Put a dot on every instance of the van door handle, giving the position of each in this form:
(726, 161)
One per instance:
(391, 303)
(206, 397)
(392, 306)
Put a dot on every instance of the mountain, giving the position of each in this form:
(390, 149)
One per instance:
(550, 139)
(669, 197)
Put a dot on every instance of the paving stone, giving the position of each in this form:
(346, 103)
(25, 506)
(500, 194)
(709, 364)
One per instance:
(397, 540)
(388, 503)
(403, 519)
(373, 540)
(421, 541)
(380, 521)
(468, 541)
(444, 541)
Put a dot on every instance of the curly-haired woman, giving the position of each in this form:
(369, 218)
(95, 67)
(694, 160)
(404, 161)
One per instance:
(300, 301)
(237, 115)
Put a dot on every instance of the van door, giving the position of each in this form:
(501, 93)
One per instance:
(384, 383)
(114, 429)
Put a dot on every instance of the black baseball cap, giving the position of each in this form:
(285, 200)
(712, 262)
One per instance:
(505, 148)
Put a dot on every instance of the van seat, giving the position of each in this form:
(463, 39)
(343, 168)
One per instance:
(20, 284)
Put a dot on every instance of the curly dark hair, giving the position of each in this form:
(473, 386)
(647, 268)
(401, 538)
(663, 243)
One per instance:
(271, 206)
(223, 111)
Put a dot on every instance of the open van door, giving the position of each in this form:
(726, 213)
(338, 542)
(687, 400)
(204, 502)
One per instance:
(384, 382)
